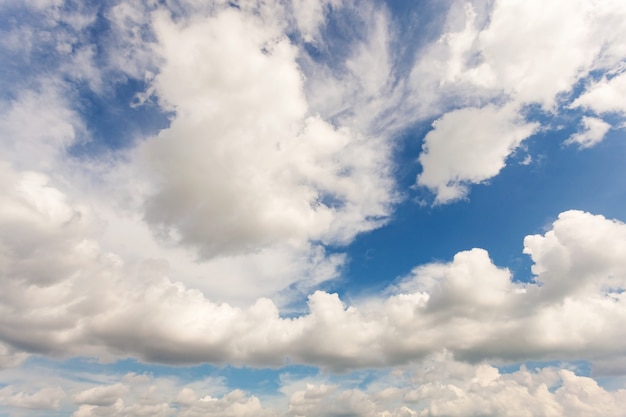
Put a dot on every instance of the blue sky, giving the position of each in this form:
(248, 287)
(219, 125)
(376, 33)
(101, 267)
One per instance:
(312, 208)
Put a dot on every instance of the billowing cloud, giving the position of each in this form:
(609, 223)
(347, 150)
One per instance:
(468, 146)
(527, 54)
(443, 387)
(65, 296)
(439, 386)
(305, 180)
(104, 395)
(43, 399)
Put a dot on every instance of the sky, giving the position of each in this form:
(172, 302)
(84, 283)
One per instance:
(312, 208)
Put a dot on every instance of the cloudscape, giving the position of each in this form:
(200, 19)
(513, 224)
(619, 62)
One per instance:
(313, 208)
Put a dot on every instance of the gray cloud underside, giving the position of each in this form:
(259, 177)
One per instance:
(90, 302)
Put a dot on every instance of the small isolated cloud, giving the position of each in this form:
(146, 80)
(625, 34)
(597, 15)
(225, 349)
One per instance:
(594, 130)
(604, 96)
(468, 146)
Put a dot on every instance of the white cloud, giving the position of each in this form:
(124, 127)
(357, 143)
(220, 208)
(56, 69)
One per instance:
(436, 386)
(579, 256)
(604, 96)
(536, 51)
(103, 395)
(441, 386)
(305, 179)
(36, 142)
(324, 400)
(129, 48)
(525, 52)
(233, 404)
(261, 208)
(454, 389)
(63, 295)
(531, 51)
(43, 399)
(468, 146)
(594, 131)
(309, 15)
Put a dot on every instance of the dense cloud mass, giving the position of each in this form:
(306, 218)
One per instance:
(305, 179)
(89, 302)
(190, 185)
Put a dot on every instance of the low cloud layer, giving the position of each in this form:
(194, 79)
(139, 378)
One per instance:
(440, 386)
(91, 303)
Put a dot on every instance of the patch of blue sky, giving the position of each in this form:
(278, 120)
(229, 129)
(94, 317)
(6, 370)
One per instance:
(415, 24)
(346, 27)
(611, 382)
(26, 52)
(523, 199)
(258, 381)
(110, 113)
(114, 119)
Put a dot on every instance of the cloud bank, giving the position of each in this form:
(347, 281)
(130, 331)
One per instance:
(91, 303)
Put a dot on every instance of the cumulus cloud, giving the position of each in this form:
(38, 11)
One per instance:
(443, 387)
(531, 52)
(235, 404)
(309, 182)
(437, 386)
(103, 395)
(235, 86)
(43, 399)
(468, 146)
(525, 53)
(37, 143)
(604, 96)
(132, 395)
(449, 388)
(594, 131)
(64, 295)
